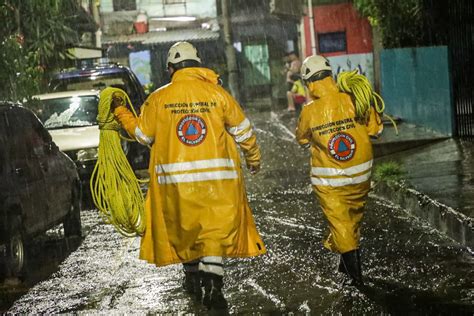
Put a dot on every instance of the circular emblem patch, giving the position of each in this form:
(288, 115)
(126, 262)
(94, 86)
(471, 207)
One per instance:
(191, 130)
(342, 146)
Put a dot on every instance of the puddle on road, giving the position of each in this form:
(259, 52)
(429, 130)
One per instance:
(409, 267)
(43, 256)
(296, 276)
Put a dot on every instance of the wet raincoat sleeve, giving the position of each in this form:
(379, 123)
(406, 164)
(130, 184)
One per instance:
(141, 128)
(303, 132)
(238, 125)
(375, 124)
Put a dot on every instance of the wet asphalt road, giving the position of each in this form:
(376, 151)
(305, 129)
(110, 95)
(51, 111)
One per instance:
(409, 268)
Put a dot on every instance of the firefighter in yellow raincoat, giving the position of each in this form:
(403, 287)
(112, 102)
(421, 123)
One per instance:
(196, 208)
(341, 159)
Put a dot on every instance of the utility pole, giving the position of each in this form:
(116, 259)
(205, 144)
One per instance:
(311, 27)
(96, 15)
(230, 51)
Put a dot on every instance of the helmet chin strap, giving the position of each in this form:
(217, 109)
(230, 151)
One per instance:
(181, 65)
(318, 76)
(171, 70)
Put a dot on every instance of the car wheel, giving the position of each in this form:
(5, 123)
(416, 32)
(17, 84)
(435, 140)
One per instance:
(72, 221)
(15, 252)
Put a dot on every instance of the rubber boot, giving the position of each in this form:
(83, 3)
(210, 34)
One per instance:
(192, 284)
(213, 298)
(341, 267)
(188, 282)
(350, 265)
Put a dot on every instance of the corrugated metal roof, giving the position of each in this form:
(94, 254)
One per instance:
(163, 37)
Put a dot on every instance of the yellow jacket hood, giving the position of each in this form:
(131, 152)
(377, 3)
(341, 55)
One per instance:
(321, 88)
(195, 73)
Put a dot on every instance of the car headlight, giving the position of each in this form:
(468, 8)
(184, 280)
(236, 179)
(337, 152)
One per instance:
(87, 154)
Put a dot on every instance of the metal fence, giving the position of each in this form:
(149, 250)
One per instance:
(451, 23)
(461, 46)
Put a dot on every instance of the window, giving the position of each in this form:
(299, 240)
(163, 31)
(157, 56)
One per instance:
(38, 140)
(332, 42)
(75, 111)
(125, 5)
(20, 133)
(174, 1)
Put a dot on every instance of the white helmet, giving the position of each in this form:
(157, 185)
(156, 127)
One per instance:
(182, 51)
(313, 65)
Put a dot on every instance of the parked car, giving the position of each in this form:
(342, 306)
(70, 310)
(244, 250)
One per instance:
(39, 188)
(71, 118)
(98, 77)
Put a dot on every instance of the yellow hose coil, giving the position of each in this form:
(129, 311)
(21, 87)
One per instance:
(364, 96)
(115, 188)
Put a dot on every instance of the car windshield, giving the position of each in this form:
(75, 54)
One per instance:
(66, 112)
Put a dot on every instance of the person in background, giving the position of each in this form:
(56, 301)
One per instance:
(292, 68)
(197, 211)
(341, 159)
(298, 92)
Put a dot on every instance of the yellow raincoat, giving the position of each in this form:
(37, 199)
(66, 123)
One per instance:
(196, 204)
(341, 159)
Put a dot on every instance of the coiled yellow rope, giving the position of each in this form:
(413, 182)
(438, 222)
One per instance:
(364, 96)
(115, 188)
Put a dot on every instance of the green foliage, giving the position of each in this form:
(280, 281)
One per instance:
(47, 26)
(35, 36)
(388, 171)
(400, 21)
(21, 74)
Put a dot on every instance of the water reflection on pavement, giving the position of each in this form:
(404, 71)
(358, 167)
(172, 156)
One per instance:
(409, 267)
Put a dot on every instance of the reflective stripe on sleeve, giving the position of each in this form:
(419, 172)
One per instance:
(241, 132)
(235, 130)
(142, 138)
(243, 137)
(339, 182)
(197, 176)
(194, 165)
(318, 171)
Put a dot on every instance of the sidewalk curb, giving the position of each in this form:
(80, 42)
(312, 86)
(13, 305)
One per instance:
(385, 149)
(442, 217)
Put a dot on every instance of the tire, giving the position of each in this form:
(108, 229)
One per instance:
(72, 221)
(15, 251)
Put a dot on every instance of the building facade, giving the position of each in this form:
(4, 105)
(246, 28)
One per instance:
(263, 32)
(138, 33)
(341, 35)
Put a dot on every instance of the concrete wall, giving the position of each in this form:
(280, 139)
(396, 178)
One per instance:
(415, 84)
(363, 63)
